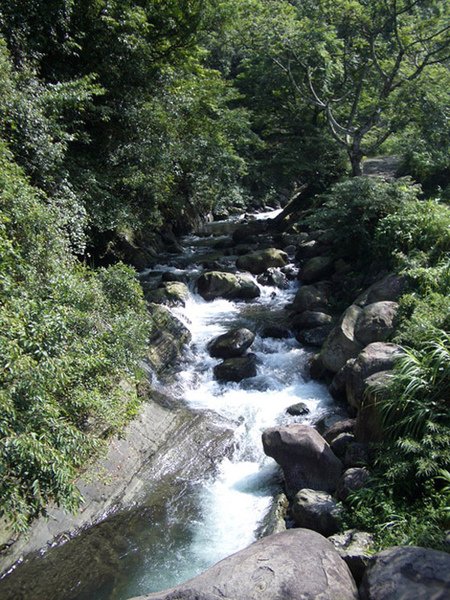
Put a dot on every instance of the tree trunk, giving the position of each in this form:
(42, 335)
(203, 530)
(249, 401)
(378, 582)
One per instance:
(355, 155)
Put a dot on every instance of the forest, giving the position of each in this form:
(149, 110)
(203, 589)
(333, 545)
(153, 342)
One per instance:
(123, 123)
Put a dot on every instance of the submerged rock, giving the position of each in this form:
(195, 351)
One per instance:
(297, 564)
(218, 284)
(231, 344)
(236, 369)
(305, 457)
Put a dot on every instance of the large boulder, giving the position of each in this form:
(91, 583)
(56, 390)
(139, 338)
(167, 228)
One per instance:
(355, 548)
(261, 260)
(297, 564)
(312, 297)
(376, 323)
(390, 288)
(305, 457)
(217, 284)
(317, 268)
(231, 344)
(407, 573)
(375, 357)
(339, 427)
(341, 344)
(316, 510)
(236, 369)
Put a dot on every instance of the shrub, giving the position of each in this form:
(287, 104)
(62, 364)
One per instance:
(70, 340)
(352, 209)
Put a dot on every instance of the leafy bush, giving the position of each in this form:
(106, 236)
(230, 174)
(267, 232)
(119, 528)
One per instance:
(352, 210)
(70, 340)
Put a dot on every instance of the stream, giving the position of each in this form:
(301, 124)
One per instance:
(229, 509)
(198, 522)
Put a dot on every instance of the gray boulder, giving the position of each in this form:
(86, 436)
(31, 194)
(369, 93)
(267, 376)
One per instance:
(407, 573)
(305, 457)
(217, 284)
(338, 385)
(236, 369)
(355, 548)
(167, 338)
(317, 268)
(379, 356)
(231, 344)
(353, 479)
(390, 288)
(261, 260)
(317, 511)
(376, 323)
(342, 344)
(312, 297)
(298, 564)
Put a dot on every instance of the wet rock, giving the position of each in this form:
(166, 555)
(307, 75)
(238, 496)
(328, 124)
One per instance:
(310, 319)
(376, 323)
(305, 457)
(261, 260)
(390, 288)
(330, 418)
(173, 293)
(341, 344)
(218, 284)
(352, 479)
(273, 277)
(275, 520)
(290, 272)
(275, 331)
(169, 276)
(317, 369)
(341, 426)
(379, 356)
(317, 511)
(314, 337)
(236, 369)
(409, 573)
(167, 338)
(295, 564)
(317, 268)
(297, 410)
(355, 548)
(231, 344)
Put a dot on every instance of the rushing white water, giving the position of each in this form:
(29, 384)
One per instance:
(226, 513)
(234, 505)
